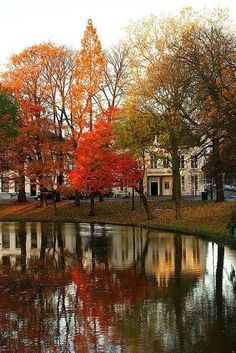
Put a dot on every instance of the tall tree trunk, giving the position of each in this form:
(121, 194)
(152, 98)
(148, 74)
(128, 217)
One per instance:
(60, 178)
(217, 170)
(145, 204)
(144, 200)
(54, 201)
(43, 197)
(77, 198)
(22, 194)
(100, 197)
(132, 199)
(176, 195)
(55, 198)
(92, 205)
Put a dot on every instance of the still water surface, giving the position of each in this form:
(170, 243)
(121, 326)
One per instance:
(99, 288)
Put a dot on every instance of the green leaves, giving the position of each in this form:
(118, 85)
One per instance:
(8, 115)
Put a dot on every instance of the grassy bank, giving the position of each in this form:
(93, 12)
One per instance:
(202, 218)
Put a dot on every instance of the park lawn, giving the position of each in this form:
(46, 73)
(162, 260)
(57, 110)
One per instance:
(203, 218)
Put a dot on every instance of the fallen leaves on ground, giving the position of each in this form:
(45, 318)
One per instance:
(196, 216)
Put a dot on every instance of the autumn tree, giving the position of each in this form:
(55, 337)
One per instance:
(227, 155)
(43, 165)
(58, 73)
(99, 166)
(160, 99)
(135, 133)
(207, 48)
(24, 79)
(88, 75)
(40, 79)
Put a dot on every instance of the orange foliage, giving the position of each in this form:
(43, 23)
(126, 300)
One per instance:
(88, 75)
(35, 77)
(99, 165)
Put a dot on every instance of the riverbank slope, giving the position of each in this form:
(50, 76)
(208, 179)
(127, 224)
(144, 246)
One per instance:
(203, 218)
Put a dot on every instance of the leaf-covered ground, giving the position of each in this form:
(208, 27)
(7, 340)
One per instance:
(198, 217)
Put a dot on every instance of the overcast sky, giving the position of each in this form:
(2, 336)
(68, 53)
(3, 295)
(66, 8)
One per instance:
(27, 22)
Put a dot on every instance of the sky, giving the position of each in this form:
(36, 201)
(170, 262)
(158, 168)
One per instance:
(27, 22)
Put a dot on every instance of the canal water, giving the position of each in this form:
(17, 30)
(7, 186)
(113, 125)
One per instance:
(82, 288)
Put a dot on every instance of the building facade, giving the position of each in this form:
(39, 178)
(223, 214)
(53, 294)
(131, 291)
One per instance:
(9, 188)
(158, 178)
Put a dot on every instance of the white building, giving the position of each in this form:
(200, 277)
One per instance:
(158, 179)
(9, 188)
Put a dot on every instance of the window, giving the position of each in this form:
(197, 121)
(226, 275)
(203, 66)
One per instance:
(5, 185)
(60, 179)
(153, 161)
(166, 185)
(17, 244)
(183, 182)
(166, 162)
(181, 161)
(193, 161)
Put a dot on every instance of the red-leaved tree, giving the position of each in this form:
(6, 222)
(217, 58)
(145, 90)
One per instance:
(99, 165)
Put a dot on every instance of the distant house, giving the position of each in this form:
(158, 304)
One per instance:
(158, 179)
(9, 187)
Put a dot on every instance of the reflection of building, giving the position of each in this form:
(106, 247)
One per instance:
(11, 247)
(158, 254)
(185, 255)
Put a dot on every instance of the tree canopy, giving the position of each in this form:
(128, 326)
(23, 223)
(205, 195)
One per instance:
(8, 115)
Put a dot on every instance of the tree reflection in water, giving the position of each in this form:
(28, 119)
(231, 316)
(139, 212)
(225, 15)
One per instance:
(33, 300)
(96, 289)
(102, 292)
